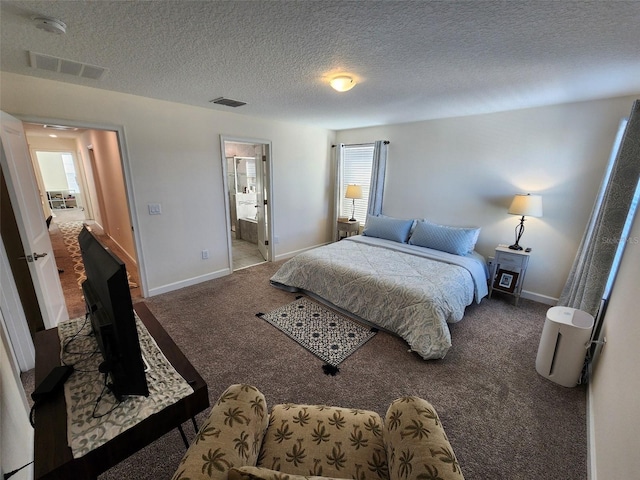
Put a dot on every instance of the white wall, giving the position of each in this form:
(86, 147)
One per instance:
(48, 144)
(465, 171)
(614, 414)
(16, 435)
(52, 170)
(174, 157)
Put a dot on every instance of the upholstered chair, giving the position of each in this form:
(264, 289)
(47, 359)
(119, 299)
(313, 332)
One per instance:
(241, 440)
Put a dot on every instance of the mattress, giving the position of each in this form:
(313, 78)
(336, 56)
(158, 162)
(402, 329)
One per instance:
(409, 290)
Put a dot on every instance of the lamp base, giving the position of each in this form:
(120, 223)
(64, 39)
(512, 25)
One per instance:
(515, 246)
(352, 219)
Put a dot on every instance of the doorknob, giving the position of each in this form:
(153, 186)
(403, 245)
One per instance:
(34, 257)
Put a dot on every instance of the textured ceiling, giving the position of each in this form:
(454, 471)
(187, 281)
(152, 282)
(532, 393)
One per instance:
(412, 60)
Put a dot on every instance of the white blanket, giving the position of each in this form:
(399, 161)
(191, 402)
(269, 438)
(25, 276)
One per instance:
(411, 291)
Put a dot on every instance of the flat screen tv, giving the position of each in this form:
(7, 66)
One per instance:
(110, 310)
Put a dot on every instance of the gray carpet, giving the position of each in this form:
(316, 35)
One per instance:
(503, 419)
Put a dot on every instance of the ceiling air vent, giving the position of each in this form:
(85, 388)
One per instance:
(227, 102)
(69, 67)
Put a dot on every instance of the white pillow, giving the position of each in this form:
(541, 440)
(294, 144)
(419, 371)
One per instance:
(456, 240)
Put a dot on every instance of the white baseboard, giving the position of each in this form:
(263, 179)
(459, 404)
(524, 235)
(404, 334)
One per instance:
(188, 282)
(536, 297)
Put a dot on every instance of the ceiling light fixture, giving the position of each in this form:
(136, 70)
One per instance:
(50, 24)
(342, 83)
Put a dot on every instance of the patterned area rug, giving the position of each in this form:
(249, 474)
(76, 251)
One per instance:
(70, 232)
(325, 333)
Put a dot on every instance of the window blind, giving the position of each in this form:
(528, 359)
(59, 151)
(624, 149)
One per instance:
(356, 170)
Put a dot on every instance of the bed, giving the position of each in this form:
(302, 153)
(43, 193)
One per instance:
(402, 287)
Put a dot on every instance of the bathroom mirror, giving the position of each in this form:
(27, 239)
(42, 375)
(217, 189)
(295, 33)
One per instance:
(245, 168)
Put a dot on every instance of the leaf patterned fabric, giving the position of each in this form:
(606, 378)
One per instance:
(240, 441)
(261, 473)
(417, 446)
(231, 436)
(324, 441)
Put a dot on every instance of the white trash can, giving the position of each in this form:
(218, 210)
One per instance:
(563, 345)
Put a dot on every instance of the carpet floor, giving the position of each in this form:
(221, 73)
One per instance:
(503, 419)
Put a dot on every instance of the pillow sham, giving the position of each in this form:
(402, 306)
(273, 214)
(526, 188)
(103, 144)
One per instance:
(388, 228)
(456, 240)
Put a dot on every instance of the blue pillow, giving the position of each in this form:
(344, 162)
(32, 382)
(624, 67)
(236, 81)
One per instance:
(388, 228)
(456, 240)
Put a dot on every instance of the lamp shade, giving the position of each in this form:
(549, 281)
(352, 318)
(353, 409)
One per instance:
(353, 191)
(526, 205)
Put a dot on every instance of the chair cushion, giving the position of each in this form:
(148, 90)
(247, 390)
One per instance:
(260, 473)
(324, 441)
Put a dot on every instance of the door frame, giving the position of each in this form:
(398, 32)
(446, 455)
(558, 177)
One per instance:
(268, 187)
(126, 171)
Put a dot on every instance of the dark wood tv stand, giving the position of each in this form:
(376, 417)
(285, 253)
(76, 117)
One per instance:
(52, 456)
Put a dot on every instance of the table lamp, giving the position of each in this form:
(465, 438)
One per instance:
(526, 205)
(353, 192)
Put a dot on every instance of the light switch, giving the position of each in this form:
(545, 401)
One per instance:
(155, 209)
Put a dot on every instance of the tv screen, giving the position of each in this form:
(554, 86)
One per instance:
(109, 306)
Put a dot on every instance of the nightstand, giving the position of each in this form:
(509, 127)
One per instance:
(348, 227)
(508, 270)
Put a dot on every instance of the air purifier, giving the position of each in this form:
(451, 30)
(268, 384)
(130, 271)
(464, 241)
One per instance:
(563, 345)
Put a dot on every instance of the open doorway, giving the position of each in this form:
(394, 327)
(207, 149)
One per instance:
(247, 166)
(80, 177)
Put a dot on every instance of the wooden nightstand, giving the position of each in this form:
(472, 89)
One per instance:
(349, 228)
(508, 270)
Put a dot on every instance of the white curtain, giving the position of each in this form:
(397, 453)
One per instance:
(591, 268)
(378, 169)
(338, 153)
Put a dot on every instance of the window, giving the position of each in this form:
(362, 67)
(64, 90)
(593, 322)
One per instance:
(356, 169)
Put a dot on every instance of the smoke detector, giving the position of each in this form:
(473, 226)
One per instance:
(50, 24)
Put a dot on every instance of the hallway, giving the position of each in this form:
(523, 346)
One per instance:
(63, 230)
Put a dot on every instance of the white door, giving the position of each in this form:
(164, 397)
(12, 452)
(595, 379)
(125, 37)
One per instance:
(25, 198)
(261, 206)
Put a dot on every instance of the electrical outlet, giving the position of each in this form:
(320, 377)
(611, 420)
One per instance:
(205, 254)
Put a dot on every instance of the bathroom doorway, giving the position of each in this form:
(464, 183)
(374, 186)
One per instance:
(247, 166)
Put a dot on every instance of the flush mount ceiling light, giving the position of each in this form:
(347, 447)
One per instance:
(342, 83)
(50, 24)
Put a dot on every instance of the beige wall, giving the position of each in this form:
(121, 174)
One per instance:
(465, 171)
(614, 392)
(175, 159)
(116, 221)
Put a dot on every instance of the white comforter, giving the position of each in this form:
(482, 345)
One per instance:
(411, 291)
